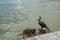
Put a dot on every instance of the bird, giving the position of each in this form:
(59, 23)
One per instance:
(42, 24)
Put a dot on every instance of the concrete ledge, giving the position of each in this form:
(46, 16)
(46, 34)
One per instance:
(49, 36)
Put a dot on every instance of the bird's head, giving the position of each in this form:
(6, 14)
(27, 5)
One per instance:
(39, 17)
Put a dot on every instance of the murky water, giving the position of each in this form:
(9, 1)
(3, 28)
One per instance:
(17, 15)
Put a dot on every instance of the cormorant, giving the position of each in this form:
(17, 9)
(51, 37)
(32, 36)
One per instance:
(42, 24)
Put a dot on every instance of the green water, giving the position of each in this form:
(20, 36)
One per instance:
(17, 15)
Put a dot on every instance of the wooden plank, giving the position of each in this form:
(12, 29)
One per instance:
(49, 36)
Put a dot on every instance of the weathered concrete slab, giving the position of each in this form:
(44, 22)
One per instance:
(49, 36)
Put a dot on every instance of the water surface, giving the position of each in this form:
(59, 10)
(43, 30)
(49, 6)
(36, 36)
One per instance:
(17, 15)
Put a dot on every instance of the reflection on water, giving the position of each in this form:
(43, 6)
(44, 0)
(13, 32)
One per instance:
(17, 15)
